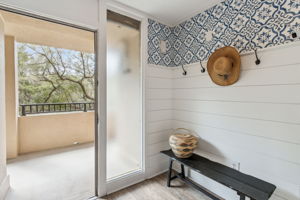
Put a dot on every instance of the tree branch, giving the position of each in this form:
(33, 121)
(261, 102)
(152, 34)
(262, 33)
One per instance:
(57, 64)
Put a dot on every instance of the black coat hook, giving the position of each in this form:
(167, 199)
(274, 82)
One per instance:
(257, 62)
(202, 68)
(184, 71)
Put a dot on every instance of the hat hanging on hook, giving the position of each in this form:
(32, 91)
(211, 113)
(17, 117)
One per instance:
(224, 66)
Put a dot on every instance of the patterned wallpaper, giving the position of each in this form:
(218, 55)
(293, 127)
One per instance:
(245, 24)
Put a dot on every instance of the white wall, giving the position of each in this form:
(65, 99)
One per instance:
(3, 175)
(80, 12)
(255, 122)
(158, 116)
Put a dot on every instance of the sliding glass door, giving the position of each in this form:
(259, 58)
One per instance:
(124, 110)
(50, 101)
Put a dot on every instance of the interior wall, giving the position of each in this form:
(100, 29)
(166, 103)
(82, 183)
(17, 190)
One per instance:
(246, 25)
(253, 123)
(158, 32)
(159, 114)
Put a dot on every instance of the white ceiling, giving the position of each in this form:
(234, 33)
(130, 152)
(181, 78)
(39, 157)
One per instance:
(40, 32)
(171, 12)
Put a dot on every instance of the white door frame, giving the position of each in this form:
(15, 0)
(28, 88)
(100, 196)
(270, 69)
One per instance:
(138, 176)
(98, 65)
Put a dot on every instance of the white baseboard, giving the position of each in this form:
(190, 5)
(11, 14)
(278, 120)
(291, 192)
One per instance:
(4, 187)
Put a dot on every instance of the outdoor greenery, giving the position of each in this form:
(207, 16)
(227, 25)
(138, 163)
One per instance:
(53, 75)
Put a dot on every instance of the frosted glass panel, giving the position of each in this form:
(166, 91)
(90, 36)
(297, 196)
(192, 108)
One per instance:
(123, 100)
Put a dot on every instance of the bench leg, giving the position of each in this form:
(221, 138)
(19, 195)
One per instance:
(170, 173)
(242, 196)
(182, 171)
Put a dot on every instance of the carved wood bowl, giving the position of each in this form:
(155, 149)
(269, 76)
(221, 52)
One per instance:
(183, 145)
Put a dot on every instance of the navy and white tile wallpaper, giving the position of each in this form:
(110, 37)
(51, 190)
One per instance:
(245, 24)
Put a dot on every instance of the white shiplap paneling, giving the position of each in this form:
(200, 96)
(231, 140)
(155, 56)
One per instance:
(159, 116)
(255, 122)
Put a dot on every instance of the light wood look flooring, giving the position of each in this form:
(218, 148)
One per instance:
(156, 189)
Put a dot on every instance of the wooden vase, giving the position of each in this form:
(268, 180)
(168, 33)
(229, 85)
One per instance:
(183, 145)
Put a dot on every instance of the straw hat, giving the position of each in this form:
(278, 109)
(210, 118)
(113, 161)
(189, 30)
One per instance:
(224, 66)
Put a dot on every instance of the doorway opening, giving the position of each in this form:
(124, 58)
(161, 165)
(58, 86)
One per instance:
(50, 109)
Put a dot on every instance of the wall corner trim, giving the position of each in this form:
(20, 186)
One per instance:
(4, 187)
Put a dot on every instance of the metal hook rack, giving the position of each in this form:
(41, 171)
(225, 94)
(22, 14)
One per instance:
(257, 62)
(202, 68)
(184, 73)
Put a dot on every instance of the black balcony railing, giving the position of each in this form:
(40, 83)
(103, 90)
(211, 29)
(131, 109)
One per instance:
(31, 109)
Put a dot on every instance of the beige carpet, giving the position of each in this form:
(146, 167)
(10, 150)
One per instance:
(62, 174)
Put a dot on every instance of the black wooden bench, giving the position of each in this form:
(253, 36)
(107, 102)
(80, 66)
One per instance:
(243, 184)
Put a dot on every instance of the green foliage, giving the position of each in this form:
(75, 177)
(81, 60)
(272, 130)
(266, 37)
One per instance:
(52, 75)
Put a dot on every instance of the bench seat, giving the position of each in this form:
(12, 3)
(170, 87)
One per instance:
(245, 185)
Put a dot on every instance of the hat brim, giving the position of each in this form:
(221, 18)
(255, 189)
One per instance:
(229, 52)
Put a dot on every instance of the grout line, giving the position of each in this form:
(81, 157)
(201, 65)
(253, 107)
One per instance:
(233, 101)
(219, 87)
(159, 77)
(234, 86)
(165, 99)
(238, 132)
(160, 141)
(163, 133)
(164, 109)
(270, 66)
(155, 99)
(153, 121)
(157, 154)
(156, 132)
(237, 116)
(163, 88)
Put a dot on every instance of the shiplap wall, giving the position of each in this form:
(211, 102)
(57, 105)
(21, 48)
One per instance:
(159, 116)
(254, 123)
